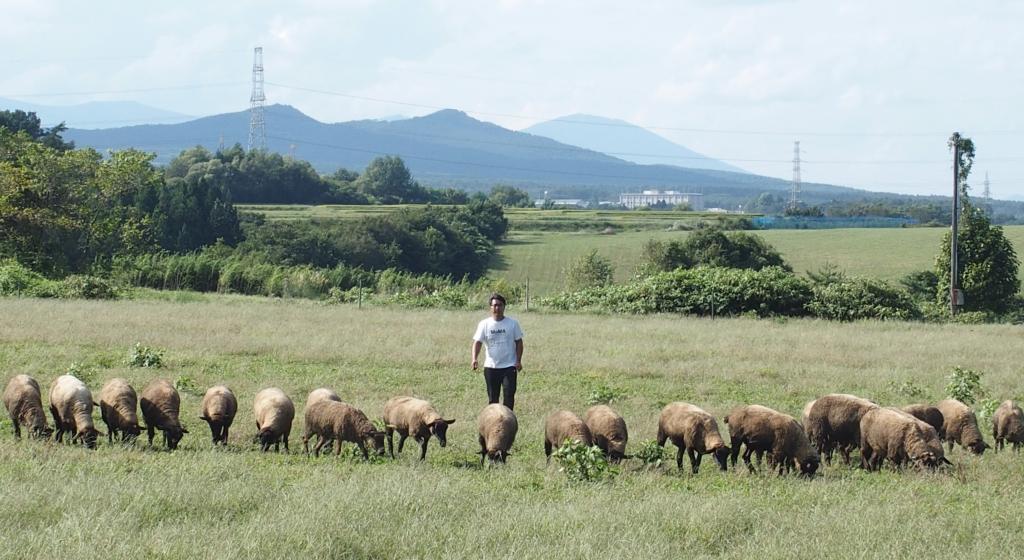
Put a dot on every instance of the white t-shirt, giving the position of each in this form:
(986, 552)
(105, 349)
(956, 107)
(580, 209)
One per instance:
(499, 337)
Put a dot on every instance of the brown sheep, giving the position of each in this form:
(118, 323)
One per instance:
(894, 435)
(332, 420)
(563, 425)
(833, 421)
(24, 403)
(694, 431)
(218, 410)
(608, 429)
(927, 413)
(1008, 425)
(71, 406)
(416, 417)
(960, 425)
(118, 406)
(762, 430)
(161, 405)
(274, 415)
(497, 426)
(321, 394)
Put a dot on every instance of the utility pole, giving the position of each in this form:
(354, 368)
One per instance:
(954, 286)
(794, 192)
(257, 126)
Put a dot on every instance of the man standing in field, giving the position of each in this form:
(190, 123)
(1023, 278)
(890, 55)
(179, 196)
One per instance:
(504, 341)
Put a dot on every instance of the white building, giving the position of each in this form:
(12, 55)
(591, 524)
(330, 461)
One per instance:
(670, 198)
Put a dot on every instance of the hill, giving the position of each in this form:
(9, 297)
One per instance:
(96, 114)
(627, 141)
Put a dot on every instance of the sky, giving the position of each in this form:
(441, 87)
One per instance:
(872, 90)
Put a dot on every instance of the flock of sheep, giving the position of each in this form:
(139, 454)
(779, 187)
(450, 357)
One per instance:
(910, 435)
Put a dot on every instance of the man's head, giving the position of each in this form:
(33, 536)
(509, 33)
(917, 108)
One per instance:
(497, 303)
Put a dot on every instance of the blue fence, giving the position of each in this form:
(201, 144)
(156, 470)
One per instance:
(803, 222)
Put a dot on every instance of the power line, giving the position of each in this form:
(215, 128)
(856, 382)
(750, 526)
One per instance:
(117, 91)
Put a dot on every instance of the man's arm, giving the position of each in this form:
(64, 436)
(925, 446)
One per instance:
(476, 352)
(519, 355)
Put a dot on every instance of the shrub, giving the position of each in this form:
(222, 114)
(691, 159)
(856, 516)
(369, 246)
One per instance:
(987, 262)
(582, 463)
(862, 298)
(908, 388)
(84, 374)
(18, 280)
(186, 384)
(589, 270)
(85, 287)
(144, 356)
(650, 453)
(965, 385)
(603, 394)
(710, 246)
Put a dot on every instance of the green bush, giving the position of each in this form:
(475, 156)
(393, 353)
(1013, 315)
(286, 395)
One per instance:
(18, 280)
(589, 271)
(144, 356)
(603, 394)
(862, 298)
(582, 463)
(965, 385)
(650, 453)
(85, 287)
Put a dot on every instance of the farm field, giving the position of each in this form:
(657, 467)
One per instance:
(62, 501)
(876, 252)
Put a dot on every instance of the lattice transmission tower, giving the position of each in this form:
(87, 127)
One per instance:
(794, 191)
(257, 126)
(986, 193)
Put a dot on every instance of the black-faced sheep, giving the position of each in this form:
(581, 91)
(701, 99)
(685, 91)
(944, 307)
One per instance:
(24, 403)
(563, 425)
(333, 420)
(161, 407)
(218, 410)
(762, 429)
(893, 435)
(960, 425)
(928, 414)
(118, 406)
(274, 413)
(833, 421)
(497, 426)
(1008, 425)
(317, 395)
(694, 431)
(608, 430)
(415, 417)
(71, 406)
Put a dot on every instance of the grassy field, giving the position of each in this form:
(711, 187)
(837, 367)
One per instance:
(62, 502)
(890, 254)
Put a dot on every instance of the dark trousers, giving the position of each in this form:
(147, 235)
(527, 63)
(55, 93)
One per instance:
(499, 378)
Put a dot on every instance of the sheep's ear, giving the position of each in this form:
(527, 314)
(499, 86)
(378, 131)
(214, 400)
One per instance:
(184, 430)
(449, 422)
(946, 461)
(94, 403)
(204, 418)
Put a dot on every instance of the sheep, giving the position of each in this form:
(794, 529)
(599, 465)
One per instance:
(118, 405)
(960, 425)
(416, 417)
(833, 421)
(218, 410)
(161, 404)
(890, 433)
(24, 403)
(694, 431)
(608, 430)
(929, 414)
(562, 425)
(332, 420)
(274, 415)
(762, 430)
(71, 406)
(320, 394)
(1008, 425)
(497, 426)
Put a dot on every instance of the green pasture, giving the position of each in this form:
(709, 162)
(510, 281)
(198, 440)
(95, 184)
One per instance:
(890, 254)
(58, 501)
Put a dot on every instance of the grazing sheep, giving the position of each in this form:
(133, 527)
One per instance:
(497, 426)
(161, 405)
(608, 430)
(561, 425)
(762, 430)
(333, 420)
(894, 435)
(960, 425)
(218, 410)
(694, 431)
(1008, 425)
(416, 417)
(24, 403)
(274, 415)
(322, 394)
(929, 414)
(71, 406)
(833, 421)
(118, 405)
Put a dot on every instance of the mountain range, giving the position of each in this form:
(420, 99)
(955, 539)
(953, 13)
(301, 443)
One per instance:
(96, 114)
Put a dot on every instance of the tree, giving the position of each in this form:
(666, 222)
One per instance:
(713, 247)
(987, 263)
(589, 271)
(388, 180)
(508, 196)
(29, 123)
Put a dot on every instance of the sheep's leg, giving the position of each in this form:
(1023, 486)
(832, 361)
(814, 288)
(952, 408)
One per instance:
(746, 458)
(423, 448)
(950, 442)
(320, 442)
(845, 451)
(151, 432)
(694, 460)
(58, 434)
(224, 434)
(17, 428)
(390, 433)
(679, 456)
(483, 450)
(547, 450)
(401, 440)
(286, 450)
(362, 447)
(661, 437)
(735, 451)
